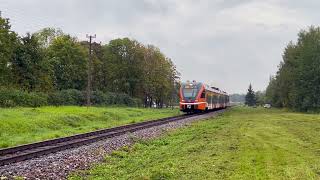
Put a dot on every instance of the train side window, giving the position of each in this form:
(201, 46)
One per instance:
(203, 94)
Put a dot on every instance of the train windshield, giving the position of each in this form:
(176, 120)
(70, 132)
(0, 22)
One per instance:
(189, 93)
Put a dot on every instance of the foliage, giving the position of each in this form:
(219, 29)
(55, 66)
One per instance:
(250, 98)
(12, 98)
(26, 125)
(68, 60)
(46, 35)
(66, 97)
(51, 61)
(260, 97)
(100, 66)
(31, 71)
(237, 97)
(124, 64)
(19, 98)
(137, 70)
(101, 98)
(296, 84)
(273, 93)
(243, 143)
(160, 77)
(8, 40)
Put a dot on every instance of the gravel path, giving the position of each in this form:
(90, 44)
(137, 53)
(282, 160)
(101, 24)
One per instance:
(59, 165)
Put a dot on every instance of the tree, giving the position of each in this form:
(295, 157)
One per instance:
(160, 77)
(273, 93)
(250, 97)
(46, 35)
(260, 97)
(69, 62)
(141, 71)
(32, 72)
(8, 42)
(50, 60)
(297, 82)
(240, 98)
(124, 65)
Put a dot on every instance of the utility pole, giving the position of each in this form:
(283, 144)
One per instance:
(89, 69)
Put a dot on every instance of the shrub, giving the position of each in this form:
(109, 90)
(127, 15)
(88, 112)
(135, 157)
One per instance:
(121, 99)
(66, 97)
(100, 98)
(35, 99)
(12, 98)
(136, 102)
(112, 98)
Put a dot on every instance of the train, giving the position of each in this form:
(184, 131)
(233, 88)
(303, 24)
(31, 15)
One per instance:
(200, 97)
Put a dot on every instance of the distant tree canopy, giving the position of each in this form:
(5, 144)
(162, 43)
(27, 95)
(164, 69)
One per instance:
(237, 98)
(50, 60)
(297, 82)
(260, 97)
(250, 98)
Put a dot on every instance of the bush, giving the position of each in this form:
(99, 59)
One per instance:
(123, 99)
(12, 98)
(100, 98)
(67, 97)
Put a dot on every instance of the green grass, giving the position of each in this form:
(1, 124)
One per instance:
(242, 143)
(26, 125)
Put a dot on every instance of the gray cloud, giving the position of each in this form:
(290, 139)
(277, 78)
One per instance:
(225, 43)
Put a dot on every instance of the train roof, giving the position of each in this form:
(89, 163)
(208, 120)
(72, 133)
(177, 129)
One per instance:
(207, 87)
(214, 89)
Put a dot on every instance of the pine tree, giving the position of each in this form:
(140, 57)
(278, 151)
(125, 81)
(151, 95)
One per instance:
(250, 97)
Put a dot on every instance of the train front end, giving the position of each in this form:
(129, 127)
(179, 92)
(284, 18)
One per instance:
(190, 97)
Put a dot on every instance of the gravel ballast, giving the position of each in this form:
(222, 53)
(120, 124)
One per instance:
(59, 165)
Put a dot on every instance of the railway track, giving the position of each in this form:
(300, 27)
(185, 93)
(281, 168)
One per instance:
(29, 151)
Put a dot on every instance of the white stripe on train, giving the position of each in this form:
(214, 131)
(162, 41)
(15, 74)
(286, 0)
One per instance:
(194, 103)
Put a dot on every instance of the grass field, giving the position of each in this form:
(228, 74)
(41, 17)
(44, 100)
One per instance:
(243, 143)
(25, 125)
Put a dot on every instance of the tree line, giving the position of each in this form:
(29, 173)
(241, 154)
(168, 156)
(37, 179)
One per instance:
(50, 60)
(251, 98)
(296, 84)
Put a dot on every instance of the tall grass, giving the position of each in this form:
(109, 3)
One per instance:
(26, 125)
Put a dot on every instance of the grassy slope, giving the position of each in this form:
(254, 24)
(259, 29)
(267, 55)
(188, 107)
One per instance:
(241, 144)
(25, 125)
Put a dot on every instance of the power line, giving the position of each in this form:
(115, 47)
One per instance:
(89, 70)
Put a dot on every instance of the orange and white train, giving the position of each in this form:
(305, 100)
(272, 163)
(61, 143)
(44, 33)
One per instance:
(197, 97)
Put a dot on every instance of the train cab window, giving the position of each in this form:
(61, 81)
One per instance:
(203, 94)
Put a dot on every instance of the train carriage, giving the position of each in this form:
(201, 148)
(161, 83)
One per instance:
(197, 96)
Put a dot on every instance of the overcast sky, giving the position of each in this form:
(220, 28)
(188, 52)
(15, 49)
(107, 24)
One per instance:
(226, 43)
